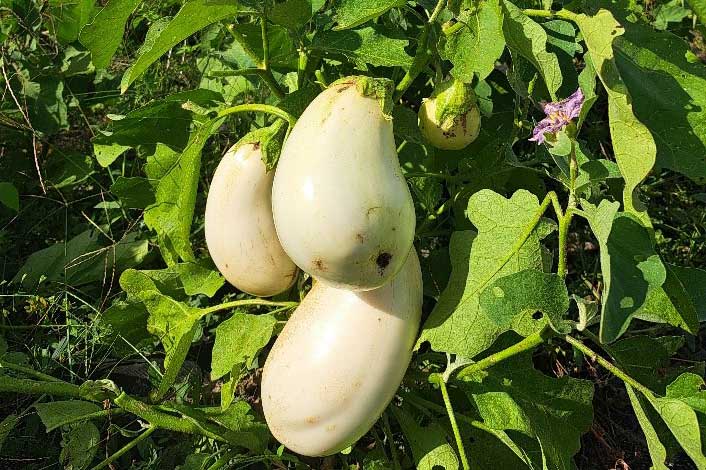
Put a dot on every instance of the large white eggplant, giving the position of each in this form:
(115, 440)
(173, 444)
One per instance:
(240, 232)
(341, 205)
(339, 361)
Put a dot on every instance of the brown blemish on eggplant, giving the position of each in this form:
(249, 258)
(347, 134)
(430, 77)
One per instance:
(383, 261)
(360, 237)
(319, 264)
(256, 145)
(312, 419)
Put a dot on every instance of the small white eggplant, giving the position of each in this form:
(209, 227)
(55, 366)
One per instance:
(341, 205)
(240, 232)
(339, 361)
(450, 118)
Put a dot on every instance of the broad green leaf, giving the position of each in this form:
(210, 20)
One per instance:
(47, 109)
(239, 340)
(681, 301)
(587, 83)
(512, 300)
(508, 241)
(173, 211)
(529, 39)
(103, 35)
(630, 266)
(127, 322)
(352, 13)
(69, 16)
(9, 196)
(56, 414)
(513, 395)
(369, 45)
(699, 8)
(669, 96)
(658, 453)
(69, 170)
(81, 260)
(79, 446)
(633, 144)
(270, 140)
(161, 122)
(430, 449)
(199, 278)
(685, 397)
(196, 462)
(292, 14)
(475, 42)
(670, 12)
(166, 33)
(282, 51)
(134, 192)
(173, 322)
(6, 427)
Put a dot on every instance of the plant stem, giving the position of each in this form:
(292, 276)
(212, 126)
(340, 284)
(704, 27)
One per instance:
(528, 343)
(97, 414)
(609, 366)
(28, 371)
(388, 433)
(419, 401)
(265, 40)
(454, 425)
(263, 65)
(261, 108)
(125, 448)
(562, 14)
(242, 303)
(34, 387)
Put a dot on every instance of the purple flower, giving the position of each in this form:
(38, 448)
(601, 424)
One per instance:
(559, 114)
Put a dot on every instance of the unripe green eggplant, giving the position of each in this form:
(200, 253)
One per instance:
(240, 232)
(450, 118)
(339, 361)
(341, 205)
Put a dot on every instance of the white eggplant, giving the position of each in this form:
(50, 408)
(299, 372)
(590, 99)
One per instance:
(240, 232)
(339, 361)
(341, 205)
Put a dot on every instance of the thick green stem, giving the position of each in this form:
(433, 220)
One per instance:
(608, 366)
(421, 402)
(527, 344)
(548, 14)
(265, 40)
(28, 371)
(125, 448)
(260, 108)
(34, 387)
(247, 302)
(454, 425)
(161, 419)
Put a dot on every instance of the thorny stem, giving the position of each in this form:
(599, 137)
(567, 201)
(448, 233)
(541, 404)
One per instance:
(609, 366)
(28, 371)
(454, 424)
(561, 14)
(125, 448)
(261, 108)
(35, 387)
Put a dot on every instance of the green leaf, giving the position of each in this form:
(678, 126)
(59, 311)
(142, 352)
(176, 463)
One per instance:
(173, 322)
(633, 144)
(281, 49)
(351, 13)
(69, 16)
(699, 8)
(164, 121)
(9, 196)
(71, 169)
(685, 396)
(430, 449)
(47, 108)
(512, 395)
(56, 414)
(199, 278)
(166, 33)
(514, 299)
(292, 14)
(528, 38)
(133, 192)
(475, 42)
(658, 453)
(457, 324)
(173, 211)
(79, 446)
(127, 322)
(243, 426)
(6, 427)
(369, 45)
(631, 268)
(103, 35)
(81, 260)
(669, 96)
(680, 301)
(239, 340)
(671, 12)
(270, 140)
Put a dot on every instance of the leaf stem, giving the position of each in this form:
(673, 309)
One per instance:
(265, 40)
(260, 108)
(548, 14)
(247, 302)
(35, 387)
(528, 343)
(609, 366)
(28, 371)
(454, 424)
(263, 64)
(126, 448)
